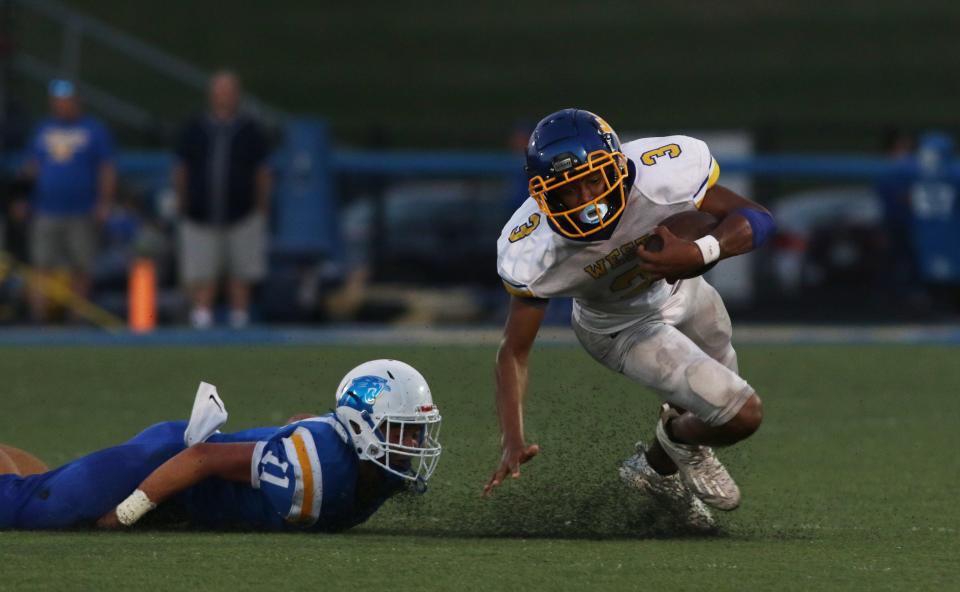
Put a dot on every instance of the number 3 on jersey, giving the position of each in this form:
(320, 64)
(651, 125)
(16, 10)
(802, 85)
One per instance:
(526, 228)
(650, 157)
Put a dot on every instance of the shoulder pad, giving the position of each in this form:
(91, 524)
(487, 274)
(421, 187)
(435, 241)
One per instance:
(672, 169)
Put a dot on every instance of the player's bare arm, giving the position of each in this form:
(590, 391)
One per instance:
(201, 461)
(744, 224)
(523, 323)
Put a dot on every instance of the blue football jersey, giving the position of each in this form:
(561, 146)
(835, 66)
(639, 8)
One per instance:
(307, 471)
(302, 476)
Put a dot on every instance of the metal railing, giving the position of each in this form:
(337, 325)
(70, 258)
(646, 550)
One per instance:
(76, 29)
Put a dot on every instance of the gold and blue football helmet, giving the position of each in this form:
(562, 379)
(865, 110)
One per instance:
(564, 148)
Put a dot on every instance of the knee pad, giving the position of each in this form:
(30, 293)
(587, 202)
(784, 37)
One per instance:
(711, 381)
(718, 387)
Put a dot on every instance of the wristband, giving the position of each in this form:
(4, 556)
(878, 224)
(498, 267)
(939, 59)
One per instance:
(761, 224)
(134, 507)
(709, 247)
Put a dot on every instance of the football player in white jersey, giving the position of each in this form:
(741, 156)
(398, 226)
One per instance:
(593, 205)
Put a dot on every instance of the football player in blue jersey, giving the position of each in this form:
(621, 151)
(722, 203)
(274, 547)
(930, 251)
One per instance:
(324, 473)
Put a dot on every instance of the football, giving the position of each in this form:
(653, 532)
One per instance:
(690, 226)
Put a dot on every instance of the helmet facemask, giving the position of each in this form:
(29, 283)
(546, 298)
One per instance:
(413, 462)
(593, 216)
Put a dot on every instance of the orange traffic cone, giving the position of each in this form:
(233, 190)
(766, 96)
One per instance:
(142, 296)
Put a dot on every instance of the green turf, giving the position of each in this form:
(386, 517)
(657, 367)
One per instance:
(850, 484)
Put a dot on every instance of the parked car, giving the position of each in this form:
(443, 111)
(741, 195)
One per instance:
(827, 237)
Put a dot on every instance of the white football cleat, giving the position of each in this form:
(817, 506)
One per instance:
(208, 415)
(668, 491)
(700, 469)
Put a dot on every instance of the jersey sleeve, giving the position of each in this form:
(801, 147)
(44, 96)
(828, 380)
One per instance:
(103, 143)
(286, 469)
(523, 250)
(673, 169)
(38, 146)
(514, 286)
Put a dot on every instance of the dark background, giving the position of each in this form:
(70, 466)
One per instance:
(811, 76)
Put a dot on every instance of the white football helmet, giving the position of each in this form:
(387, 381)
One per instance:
(384, 398)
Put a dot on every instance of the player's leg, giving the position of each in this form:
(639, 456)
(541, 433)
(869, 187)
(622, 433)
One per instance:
(706, 322)
(44, 257)
(161, 435)
(246, 249)
(79, 492)
(81, 239)
(200, 257)
(667, 488)
(22, 462)
(664, 359)
(720, 409)
(641, 471)
(702, 316)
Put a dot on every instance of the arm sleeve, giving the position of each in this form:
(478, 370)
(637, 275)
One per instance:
(286, 469)
(183, 142)
(519, 290)
(105, 150)
(511, 283)
(259, 141)
(673, 169)
(519, 263)
(37, 149)
(712, 173)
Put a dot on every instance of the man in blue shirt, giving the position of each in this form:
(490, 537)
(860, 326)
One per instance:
(319, 473)
(71, 162)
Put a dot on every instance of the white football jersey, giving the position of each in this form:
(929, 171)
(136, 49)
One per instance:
(610, 292)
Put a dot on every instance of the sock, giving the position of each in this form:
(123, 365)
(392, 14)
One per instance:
(239, 318)
(201, 318)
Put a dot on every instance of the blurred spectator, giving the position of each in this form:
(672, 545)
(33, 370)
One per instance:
(894, 189)
(16, 217)
(518, 186)
(71, 161)
(223, 186)
(13, 124)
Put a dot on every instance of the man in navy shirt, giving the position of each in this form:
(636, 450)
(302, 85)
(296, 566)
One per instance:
(71, 161)
(223, 184)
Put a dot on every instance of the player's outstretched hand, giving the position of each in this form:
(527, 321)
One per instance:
(666, 256)
(513, 457)
(109, 520)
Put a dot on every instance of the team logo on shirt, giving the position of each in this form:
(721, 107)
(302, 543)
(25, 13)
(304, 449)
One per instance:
(368, 388)
(62, 144)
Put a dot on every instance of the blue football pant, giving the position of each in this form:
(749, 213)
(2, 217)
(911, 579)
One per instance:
(78, 493)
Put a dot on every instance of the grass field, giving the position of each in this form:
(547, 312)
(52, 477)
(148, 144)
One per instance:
(850, 484)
